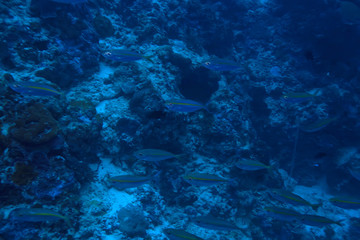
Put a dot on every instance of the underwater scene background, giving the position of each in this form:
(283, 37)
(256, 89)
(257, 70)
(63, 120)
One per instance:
(193, 119)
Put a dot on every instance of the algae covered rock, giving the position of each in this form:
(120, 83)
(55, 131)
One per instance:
(35, 126)
(24, 174)
(132, 221)
(103, 26)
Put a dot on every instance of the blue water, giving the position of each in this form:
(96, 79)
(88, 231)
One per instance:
(81, 117)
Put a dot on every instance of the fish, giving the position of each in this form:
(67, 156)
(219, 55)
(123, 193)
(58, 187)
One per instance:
(129, 181)
(154, 155)
(124, 55)
(221, 65)
(184, 105)
(318, 125)
(292, 198)
(282, 214)
(345, 202)
(204, 179)
(34, 89)
(298, 97)
(317, 221)
(212, 223)
(251, 165)
(36, 215)
(179, 234)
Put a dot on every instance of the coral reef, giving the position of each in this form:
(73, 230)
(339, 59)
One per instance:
(281, 91)
(35, 126)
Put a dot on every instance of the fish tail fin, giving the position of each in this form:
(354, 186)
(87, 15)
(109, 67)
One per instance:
(180, 156)
(316, 92)
(316, 206)
(232, 182)
(206, 107)
(270, 169)
(149, 58)
(156, 177)
(339, 222)
(67, 221)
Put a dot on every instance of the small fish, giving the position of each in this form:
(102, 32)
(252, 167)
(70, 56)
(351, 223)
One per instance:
(345, 202)
(124, 55)
(179, 234)
(221, 65)
(317, 126)
(317, 221)
(292, 198)
(36, 215)
(212, 223)
(184, 105)
(298, 97)
(282, 214)
(34, 89)
(251, 165)
(204, 179)
(129, 181)
(154, 155)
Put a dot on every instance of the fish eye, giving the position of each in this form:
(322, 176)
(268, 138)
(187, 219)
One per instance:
(140, 154)
(107, 53)
(207, 63)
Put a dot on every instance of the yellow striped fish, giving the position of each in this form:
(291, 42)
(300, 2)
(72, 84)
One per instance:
(34, 89)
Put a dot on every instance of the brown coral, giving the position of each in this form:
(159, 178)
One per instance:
(35, 126)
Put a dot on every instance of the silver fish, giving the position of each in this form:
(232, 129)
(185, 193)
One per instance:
(154, 155)
(204, 179)
(36, 215)
(212, 223)
(251, 165)
(129, 181)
